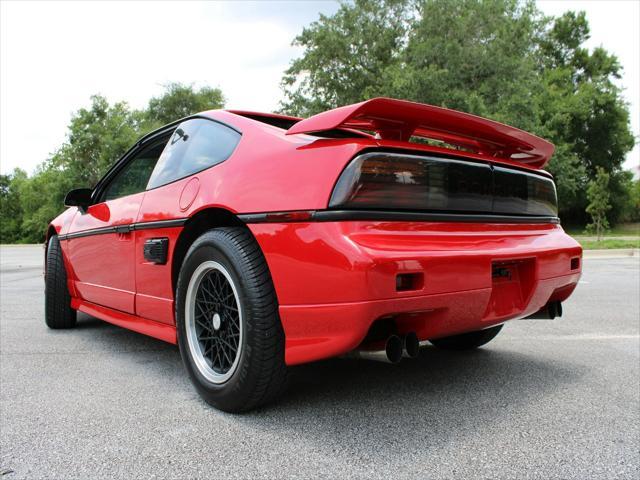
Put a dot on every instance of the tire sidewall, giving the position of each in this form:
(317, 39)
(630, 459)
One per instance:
(215, 246)
(58, 313)
(49, 265)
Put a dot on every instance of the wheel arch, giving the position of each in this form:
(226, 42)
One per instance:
(199, 223)
(51, 231)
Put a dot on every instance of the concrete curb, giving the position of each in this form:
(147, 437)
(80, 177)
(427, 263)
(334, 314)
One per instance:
(611, 253)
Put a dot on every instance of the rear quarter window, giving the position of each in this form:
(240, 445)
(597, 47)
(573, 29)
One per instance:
(195, 145)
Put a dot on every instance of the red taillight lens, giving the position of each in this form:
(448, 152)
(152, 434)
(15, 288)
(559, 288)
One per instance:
(391, 181)
(410, 182)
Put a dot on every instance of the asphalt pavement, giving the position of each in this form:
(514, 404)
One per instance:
(545, 399)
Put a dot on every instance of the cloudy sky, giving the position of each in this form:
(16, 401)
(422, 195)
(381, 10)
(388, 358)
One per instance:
(54, 55)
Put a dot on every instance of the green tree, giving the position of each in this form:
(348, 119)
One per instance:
(346, 56)
(10, 206)
(634, 206)
(501, 59)
(41, 198)
(97, 136)
(631, 187)
(463, 54)
(473, 56)
(179, 101)
(581, 110)
(599, 205)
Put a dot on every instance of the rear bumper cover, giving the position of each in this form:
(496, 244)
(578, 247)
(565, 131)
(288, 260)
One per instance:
(334, 279)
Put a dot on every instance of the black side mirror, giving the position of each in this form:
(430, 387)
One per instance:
(80, 197)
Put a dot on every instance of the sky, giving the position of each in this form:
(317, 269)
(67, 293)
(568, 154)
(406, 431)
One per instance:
(55, 55)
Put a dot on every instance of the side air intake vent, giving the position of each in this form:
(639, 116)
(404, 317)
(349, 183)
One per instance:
(155, 250)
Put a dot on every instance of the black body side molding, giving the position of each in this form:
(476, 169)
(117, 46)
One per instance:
(125, 228)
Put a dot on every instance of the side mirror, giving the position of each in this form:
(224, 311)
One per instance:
(80, 197)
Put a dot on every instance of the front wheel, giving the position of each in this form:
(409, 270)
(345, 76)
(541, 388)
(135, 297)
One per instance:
(467, 341)
(57, 301)
(229, 332)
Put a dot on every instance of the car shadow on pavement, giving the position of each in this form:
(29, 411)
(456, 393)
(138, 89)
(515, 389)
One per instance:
(118, 338)
(419, 403)
(415, 405)
(86, 322)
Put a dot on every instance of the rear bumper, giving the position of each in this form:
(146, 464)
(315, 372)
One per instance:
(334, 279)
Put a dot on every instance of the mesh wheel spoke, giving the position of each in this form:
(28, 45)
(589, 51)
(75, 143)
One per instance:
(217, 321)
(205, 325)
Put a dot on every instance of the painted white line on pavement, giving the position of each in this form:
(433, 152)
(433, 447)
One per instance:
(578, 337)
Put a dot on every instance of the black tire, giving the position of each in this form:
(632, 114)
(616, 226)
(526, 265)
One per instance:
(260, 375)
(57, 301)
(467, 341)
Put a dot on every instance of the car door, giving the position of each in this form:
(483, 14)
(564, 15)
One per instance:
(101, 238)
(197, 144)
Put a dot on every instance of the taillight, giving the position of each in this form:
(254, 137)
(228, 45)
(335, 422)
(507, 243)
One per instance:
(392, 181)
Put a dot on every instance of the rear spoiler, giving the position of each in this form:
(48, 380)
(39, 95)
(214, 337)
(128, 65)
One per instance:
(399, 120)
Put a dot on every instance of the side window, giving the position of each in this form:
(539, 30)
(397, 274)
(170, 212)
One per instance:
(133, 178)
(195, 145)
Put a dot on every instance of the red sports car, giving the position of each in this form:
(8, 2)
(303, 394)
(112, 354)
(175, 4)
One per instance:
(257, 241)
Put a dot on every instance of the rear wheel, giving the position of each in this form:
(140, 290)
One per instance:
(467, 341)
(57, 301)
(229, 332)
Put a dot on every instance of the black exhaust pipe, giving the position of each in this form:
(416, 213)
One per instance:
(550, 311)
(393, 349)
(392, 352)
(411, 345)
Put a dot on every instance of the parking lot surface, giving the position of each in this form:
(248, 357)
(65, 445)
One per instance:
(545, 399)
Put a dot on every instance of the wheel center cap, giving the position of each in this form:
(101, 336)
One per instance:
(216, 321)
